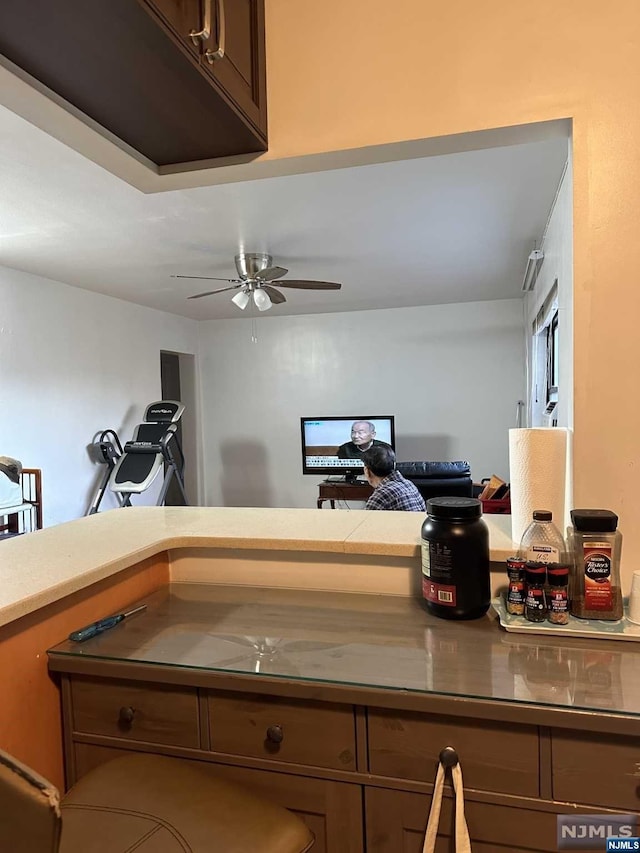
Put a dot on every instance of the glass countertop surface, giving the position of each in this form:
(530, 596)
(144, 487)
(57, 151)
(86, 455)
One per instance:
(365, 640)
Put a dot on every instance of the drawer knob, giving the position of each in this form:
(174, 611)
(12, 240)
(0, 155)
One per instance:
(125, 717)
(448, 757)
(275, 734)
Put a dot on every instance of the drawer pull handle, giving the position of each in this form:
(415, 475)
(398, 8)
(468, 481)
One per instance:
(125, 718)
(218, 53)
(205, 32)
(449, 757)
(275, 734)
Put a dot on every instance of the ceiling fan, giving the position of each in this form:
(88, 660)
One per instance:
(257, 280)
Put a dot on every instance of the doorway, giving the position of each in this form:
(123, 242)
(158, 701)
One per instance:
(177, 372)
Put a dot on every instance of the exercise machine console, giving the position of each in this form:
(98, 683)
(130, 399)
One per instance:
(132, 470)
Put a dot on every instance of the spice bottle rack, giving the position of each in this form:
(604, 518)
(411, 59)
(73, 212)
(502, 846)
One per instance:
(620, 630)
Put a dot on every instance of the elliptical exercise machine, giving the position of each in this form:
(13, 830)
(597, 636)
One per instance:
(155, 443)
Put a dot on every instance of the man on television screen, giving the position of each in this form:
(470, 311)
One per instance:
(363, 437)
(391, 490)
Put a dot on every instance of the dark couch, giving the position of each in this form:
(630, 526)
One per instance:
(439, 479)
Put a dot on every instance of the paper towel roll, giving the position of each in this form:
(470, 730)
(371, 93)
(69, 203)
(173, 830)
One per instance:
(537, 470)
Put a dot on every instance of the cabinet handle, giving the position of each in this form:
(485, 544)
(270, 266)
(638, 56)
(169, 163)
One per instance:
(205, 32)
(125, 718)
(212, 55)
(275, 734)
(449, 757)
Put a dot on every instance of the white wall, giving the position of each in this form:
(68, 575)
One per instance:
(451, 374)
(558, 265)
(73, 363)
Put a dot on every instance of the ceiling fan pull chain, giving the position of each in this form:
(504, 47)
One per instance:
(254, 331)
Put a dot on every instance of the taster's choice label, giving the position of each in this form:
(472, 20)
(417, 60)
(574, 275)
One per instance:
(596, 559)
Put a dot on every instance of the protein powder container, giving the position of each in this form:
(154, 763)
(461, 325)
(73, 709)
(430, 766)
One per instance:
(455, 559)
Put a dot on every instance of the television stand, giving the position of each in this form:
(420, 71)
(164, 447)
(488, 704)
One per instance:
(345, 491)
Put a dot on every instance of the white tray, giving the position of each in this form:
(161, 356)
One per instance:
(621, 630)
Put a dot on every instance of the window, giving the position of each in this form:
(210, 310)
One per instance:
(545, 362)
(552, 359)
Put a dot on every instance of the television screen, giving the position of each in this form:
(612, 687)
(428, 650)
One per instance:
(334, 445)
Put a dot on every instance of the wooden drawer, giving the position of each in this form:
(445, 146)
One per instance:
(129, 710)
(493, 756)
(396, 821)
(602, 770)
(312, 733)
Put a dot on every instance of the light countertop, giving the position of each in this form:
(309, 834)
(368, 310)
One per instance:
(42, 567)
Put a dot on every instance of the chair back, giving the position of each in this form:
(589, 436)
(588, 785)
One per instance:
(29, 809)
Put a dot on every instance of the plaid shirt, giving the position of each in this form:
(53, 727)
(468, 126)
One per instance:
(395, 492)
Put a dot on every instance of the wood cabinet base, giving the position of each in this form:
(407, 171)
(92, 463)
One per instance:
(360, 777)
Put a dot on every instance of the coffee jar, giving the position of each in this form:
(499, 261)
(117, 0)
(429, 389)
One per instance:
(596, 545)
(455, 559)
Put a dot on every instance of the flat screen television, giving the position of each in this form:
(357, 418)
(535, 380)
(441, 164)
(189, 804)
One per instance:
(323, 438)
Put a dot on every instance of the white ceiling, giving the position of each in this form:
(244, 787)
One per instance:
(439, 229)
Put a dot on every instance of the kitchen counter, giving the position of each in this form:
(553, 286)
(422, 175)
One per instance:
(41, 568)
(337, 705)
(375, 642)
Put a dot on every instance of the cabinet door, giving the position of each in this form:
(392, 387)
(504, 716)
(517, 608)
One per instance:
(396, 823)
(182, 17)
(331, 810)
(241, 72)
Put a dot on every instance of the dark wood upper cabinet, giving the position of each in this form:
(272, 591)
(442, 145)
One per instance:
(177, 80)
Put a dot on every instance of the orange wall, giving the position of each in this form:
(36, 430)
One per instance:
(30, 719)
(344, 75)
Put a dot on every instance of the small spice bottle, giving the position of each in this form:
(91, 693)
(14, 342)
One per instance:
(558, 594)
(516, 593)
(596, 545)
(535, 608)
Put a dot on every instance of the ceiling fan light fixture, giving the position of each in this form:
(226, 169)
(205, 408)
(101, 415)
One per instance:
(262, 300)
(241, 299)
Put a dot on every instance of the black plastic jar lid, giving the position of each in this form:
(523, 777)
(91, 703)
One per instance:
(454, 509)
(542, 515)
(594, 520)
(557, 574)
(536, 575)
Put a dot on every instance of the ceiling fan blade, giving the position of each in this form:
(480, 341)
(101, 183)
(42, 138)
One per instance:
(309, 285)
(274, 295)
(270, 273)
(211, 292)
(207, 278)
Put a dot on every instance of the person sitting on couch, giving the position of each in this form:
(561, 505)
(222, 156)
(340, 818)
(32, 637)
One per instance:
(391, 490)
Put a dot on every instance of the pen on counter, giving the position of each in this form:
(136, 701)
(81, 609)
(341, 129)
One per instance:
(101, 625)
